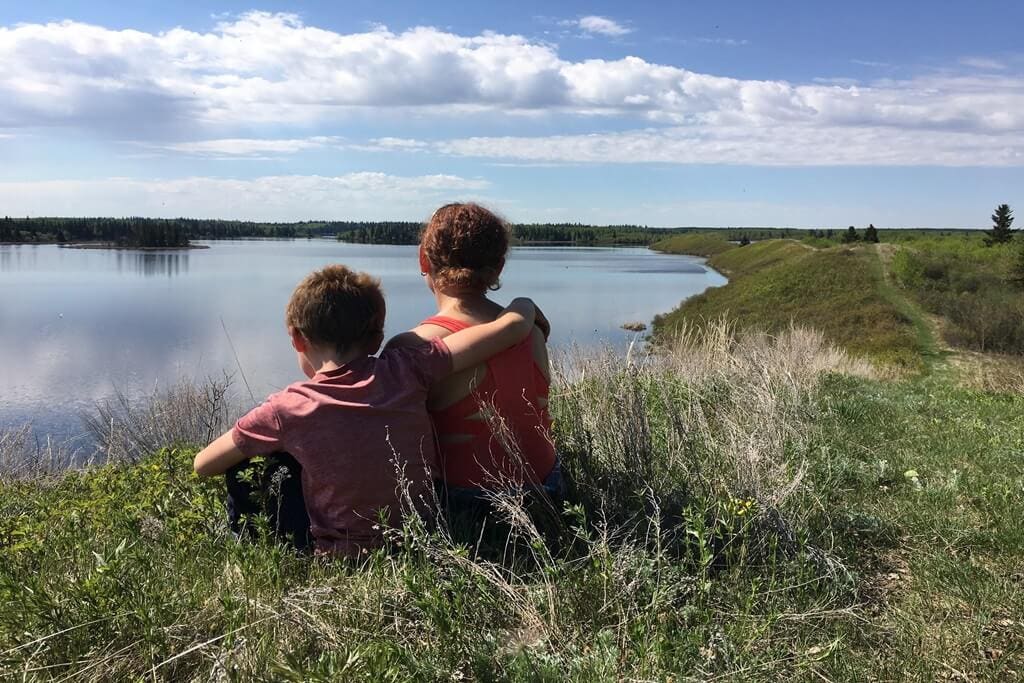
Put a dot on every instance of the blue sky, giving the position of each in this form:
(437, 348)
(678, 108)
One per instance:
(684, 113)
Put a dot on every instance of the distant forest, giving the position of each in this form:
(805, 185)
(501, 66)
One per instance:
(177, 232)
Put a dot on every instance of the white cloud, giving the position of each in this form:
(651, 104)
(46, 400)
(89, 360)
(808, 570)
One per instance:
(983, 63)
(731, 42)
(388, 144)
(245, 147)
(602, 25)
(793, 144)
(362, 195)
(399, 143)
(264, 68)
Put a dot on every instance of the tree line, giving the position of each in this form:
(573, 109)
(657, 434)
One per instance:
(177, 232)
(127, 232)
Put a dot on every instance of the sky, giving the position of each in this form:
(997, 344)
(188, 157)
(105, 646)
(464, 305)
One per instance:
(802, 114)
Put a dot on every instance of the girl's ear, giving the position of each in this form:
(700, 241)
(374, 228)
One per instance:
(424, 263)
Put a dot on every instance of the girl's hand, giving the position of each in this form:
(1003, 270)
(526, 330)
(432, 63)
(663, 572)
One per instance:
(522, 304)
(541, 321)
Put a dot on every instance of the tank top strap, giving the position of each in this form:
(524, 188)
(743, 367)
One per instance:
(450, 324)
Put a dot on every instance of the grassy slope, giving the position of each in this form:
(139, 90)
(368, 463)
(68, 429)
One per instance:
(697, 244)
(840, 291)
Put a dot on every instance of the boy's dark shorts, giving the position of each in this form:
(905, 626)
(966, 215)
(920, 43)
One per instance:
(272, 488)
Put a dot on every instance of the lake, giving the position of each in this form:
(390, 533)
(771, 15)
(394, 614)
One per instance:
(77, 325)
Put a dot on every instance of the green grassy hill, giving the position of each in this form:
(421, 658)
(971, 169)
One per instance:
(756, 256)
(839, 290)
(696, 243)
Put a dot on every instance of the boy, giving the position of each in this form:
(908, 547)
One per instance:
(359, 419)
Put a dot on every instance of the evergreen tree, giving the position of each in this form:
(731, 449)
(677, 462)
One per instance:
(1002, 222)
(851, 235)
(871, 234)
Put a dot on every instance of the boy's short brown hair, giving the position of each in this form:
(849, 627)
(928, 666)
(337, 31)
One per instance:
(338, 306)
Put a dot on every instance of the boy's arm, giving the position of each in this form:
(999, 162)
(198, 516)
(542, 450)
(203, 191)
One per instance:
(218, 457)
(474, 345)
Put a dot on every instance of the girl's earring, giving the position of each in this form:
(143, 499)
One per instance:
(423, 274)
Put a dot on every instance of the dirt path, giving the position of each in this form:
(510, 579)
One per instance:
(927, 327)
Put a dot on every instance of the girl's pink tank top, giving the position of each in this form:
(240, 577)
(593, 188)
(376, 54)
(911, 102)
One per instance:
(512, 401)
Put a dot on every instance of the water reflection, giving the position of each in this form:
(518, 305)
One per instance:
(18, 256)
(152, 263)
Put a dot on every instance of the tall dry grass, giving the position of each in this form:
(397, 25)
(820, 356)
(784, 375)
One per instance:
(990, 372)
(125, 429)
(187, 413)
(711, 412)
(23, 455)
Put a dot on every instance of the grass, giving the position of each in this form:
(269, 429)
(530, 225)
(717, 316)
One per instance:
(697, 244)
(946, 544)
(745, 508)
(924, 328)
(737, 262)
(840, 291)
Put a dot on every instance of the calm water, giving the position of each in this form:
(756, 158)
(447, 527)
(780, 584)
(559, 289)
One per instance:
(76, 325)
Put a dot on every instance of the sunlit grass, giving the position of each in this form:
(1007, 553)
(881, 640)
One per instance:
(776, 283)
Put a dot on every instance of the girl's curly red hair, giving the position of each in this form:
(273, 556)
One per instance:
(465, 247)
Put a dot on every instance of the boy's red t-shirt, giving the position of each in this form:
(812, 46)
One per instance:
(353, 430)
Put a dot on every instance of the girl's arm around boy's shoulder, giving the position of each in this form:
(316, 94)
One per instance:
(440, 356)
(474, 345)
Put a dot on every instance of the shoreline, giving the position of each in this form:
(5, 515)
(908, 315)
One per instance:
(100, 245)
(118, 247)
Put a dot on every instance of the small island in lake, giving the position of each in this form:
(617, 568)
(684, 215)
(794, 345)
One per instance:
(98, 233)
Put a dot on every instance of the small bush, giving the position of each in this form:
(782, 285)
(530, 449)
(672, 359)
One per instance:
(969, 285)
